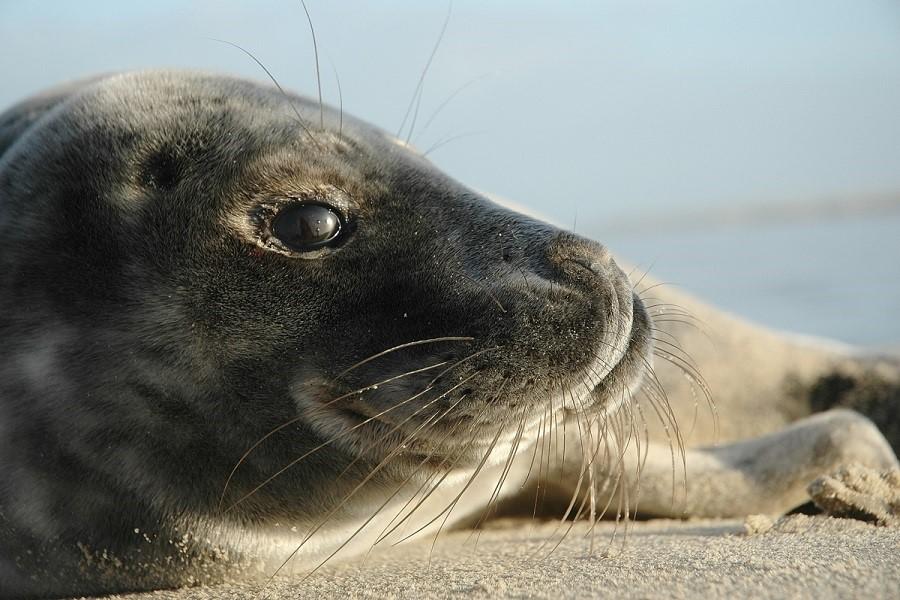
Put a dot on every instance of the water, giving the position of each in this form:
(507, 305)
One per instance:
(838, 278)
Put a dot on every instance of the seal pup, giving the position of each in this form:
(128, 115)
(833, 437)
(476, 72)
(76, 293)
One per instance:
(244, 333)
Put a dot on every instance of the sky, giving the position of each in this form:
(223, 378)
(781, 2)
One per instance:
(601, 115)
(609, 109)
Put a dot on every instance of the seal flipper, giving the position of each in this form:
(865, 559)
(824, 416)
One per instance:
(767, 474)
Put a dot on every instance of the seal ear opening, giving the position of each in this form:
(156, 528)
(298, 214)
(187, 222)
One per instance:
(163, 170)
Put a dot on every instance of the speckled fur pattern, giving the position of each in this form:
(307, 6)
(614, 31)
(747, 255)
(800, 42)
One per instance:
(157, 345)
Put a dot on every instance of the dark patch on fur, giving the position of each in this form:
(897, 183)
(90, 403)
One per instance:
(162, 171)
(870, 394)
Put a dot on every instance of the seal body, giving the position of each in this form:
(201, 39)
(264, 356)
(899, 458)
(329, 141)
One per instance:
(243, 333)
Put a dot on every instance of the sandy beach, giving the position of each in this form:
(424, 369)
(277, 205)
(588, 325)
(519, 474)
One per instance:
(797, 557)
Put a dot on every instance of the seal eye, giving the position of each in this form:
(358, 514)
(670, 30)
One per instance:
(307, 226)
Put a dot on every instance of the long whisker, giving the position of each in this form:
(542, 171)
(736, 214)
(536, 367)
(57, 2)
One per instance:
(455, 501)
(449, 460)
(312, 30)
(348, 496)
(507, 465)
(368, 420)
(478, 469)
(387, 501)
(590, 451)
(368, 477)
(452, 138)
(585, 465)
(447, 101)
(638, 282)
(537, 491)
(459, 362)
(290, 422)
(401, 347)
(365, 449)
(337, 81)
(461, 451)
(660, 404)
(421, 81)
(300, 120)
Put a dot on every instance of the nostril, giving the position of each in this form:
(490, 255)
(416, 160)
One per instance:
(569, 248)
(594, 266)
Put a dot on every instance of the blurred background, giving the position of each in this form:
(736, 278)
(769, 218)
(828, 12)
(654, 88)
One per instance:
(748, 151)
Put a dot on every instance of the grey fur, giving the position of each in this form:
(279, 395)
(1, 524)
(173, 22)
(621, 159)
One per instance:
(154, 331)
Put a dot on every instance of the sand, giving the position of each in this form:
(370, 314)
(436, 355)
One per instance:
(798, 556)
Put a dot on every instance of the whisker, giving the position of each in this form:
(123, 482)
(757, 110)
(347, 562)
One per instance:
(660, 404)
(537, 491)
(443, 142)
(533, 457)
(355, 460)
(425, 497)
(582, 472)
(452, 464)
(478, 469)
(453, 504)
(451, 459)
(412, 474)
(687, 368)
(312, 31)
(590, 451)
(337, 81)
(401, 347)
(638, 282)
(486, 290)
(461, 361)
(368, 477)
(296, 419)
(346, 498)
(421, 81)
(447, 101)
(507, 465)
(300, 120)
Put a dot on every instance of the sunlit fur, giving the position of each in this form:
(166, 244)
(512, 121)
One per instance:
(182, 376)
(184, 399)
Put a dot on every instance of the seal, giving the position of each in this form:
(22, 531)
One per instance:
(245, 333)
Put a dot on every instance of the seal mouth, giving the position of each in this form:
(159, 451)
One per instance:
(598, 393)
(614, 366)
(621, 352)
(626, 373)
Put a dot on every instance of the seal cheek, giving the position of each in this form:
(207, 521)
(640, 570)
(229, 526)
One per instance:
(40, 364)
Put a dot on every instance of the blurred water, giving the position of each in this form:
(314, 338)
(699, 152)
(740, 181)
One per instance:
(838, 278)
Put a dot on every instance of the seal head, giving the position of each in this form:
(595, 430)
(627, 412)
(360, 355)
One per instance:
(188, 268)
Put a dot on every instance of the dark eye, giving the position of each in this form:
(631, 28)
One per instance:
(304, 227)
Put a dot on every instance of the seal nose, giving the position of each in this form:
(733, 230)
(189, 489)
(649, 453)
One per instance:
(568, 250)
